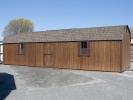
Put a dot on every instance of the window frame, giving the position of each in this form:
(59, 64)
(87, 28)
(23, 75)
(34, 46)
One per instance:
(21, 48)
(87, 49)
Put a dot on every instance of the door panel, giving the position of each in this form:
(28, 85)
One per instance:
(48, 48)
(48, 60)
(48, 55)
(31, 54)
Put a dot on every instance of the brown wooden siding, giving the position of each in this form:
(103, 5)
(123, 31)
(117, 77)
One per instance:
(125, 51)
(131, 52)
(103, 55)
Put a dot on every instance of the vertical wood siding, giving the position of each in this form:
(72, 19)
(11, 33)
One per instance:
(48, 54)
(104, 55)
(126, 50)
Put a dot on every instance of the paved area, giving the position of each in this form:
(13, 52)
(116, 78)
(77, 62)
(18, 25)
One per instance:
(55, 84)
(43, 78)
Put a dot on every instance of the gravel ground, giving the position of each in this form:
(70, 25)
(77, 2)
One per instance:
(55, 84)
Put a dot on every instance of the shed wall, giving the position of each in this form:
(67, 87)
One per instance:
(104, 55)
(126, 50)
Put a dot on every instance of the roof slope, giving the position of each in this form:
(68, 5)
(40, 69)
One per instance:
(79, 34)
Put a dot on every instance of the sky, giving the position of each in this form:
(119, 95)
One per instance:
(63, 14)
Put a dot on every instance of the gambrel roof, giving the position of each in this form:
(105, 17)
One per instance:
(75, 34)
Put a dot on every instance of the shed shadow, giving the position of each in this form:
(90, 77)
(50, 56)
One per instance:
(7, 84)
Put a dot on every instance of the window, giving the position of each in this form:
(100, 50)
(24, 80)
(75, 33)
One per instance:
(21, 48)
(84, 51)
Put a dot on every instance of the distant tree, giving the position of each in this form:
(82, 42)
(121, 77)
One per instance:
(17, 26)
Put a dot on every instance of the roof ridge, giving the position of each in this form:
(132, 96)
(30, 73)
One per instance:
(69, 29)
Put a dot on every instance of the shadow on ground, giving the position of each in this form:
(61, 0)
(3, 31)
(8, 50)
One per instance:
(7, 84)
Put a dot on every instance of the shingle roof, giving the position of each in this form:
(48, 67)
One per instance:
(79, 34)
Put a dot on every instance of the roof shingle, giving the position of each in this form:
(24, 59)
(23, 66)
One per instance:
(79, 34)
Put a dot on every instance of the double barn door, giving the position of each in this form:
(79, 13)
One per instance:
(48, 55)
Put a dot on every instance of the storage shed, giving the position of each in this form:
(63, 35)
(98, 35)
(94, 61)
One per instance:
(100, 48)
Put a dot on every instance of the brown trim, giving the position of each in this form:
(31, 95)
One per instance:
(129, 31)
(88, 43)
(121, 64)
(78, 48)
(3, 54)
(62, 41)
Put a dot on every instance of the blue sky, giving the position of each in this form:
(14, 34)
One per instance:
(58, 14)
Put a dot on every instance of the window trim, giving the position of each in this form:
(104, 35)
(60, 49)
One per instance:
(88, 49)
(20, 47)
